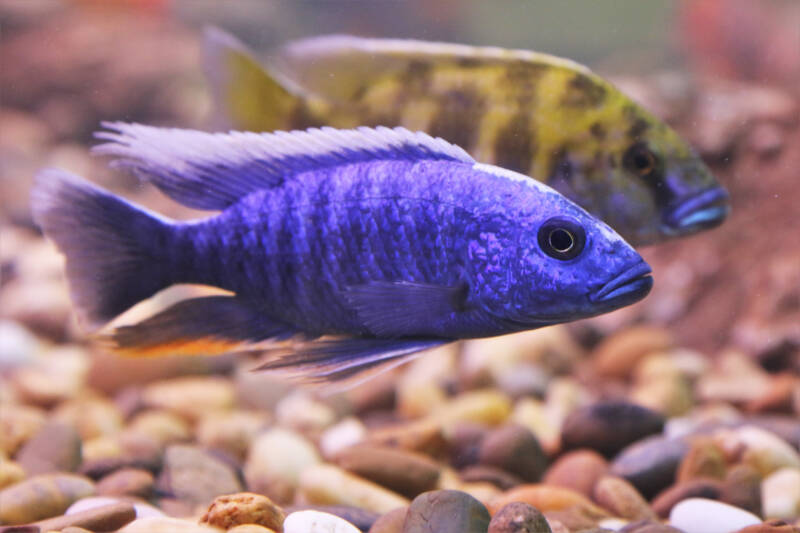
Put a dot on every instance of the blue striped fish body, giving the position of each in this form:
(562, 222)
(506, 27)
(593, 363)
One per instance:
(400, 245)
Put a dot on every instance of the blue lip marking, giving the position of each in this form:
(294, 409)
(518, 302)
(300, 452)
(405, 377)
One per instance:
(701, 211)
(634, 282)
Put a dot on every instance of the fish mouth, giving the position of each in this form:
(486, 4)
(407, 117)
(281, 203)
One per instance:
(630, 286)
(702, 211)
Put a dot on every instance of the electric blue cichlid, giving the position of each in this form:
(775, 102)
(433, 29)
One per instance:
(391, 241)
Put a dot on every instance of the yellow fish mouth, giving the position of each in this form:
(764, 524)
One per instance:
(705, 210)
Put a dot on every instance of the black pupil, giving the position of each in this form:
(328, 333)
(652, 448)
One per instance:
(561, 240)
(642, 161)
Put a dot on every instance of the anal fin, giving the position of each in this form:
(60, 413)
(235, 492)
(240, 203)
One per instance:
(210, 325)
(345, 360)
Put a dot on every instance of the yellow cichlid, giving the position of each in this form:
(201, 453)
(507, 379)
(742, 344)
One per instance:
(547, 117)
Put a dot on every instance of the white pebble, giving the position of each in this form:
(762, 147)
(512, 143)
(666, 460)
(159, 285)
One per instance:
(342, 435)
(316, 522)
(699, 515)
(780, 494)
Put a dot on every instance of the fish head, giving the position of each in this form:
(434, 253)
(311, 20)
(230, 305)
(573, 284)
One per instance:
(574, 266)
(631, 169)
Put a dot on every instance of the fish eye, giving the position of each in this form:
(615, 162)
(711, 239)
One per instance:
(561, 238)
(640, 160)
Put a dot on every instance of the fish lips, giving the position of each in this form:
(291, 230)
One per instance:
(704, 210)
(630, 286)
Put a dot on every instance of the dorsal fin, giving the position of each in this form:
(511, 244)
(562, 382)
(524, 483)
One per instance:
(338, 66)
(214, 170)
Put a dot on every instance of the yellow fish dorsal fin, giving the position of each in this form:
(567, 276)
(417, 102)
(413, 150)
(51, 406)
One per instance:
(339, 66)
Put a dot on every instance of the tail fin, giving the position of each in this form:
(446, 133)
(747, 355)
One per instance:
(246, 95)
(116, 252)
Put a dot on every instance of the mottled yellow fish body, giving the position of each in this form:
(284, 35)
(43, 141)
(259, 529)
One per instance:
(544, 116)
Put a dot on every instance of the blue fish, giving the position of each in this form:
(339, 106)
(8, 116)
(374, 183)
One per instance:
(365, 245)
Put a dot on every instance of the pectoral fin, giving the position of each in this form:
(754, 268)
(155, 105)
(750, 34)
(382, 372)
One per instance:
(210, 325)
(342, 360)
(404, 308)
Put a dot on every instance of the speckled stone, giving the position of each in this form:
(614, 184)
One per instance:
(243, 508)
(518, 517)
(446, 511)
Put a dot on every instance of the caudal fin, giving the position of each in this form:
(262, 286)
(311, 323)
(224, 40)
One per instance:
(116, 253)
(246, 95)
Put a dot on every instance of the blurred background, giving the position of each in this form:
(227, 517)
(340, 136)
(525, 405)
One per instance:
(721, 327)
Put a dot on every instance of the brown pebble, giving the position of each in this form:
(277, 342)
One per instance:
(424, 436)
(647, 526)
(75, 529)
(194, 476)
(127, 482)
(608, 427)
(770, 526)
(490, 474)
(742, 488)
(104, 518)
(694, 488)
(705, 459)
(42, 497)
(405, 472)
(622, 499)
(518, 517)
(578, 470)
(250, 528)
(243, 508)
(618, 354)
(516, 450)
(547, 498)
(391, 522)
(56, 447)
(464, 444)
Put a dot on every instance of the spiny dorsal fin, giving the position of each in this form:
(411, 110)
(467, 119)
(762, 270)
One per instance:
(337, 66)
(214, 170)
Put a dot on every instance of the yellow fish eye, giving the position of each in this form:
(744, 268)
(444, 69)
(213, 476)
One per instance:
(640, 160)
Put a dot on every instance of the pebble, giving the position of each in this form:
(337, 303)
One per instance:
(194, 476)
(617, 355)
(167, 525)
(482, 473)
(231, 432)
(301, 412)
(446, 511)
(670, 395)
(538, 418)
(698, 515)
(547, 498)
(56, 377)
(342, 435)
(93, 417)
(42, 497)
(705, 458)
(250, 528)
(316, 522)
(780, 494)
(330, 485)
(490, 407)
(622, 499)
(191, 397)
(608, 427)
(647, 526)
(578, 470)
(423, 435)
(142, 509)
(127, 482)
(391, 522)
(514, 449)
(710, 489)
(407, 473)
(770, 526)
(742, 488)
(163, 426)
(274, 463)
(105, 518)
(243, 508)
(650, 464)
(518, 517)
(10, 473)
(361, 518)
(763, 449)
(19, 346)
(56, 447)
(18, 423)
